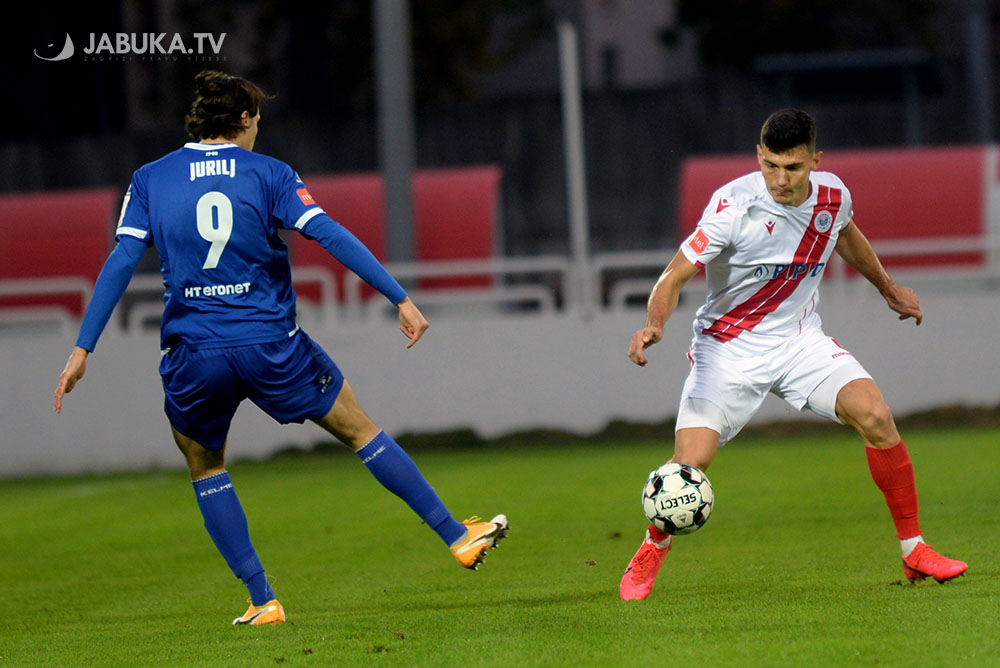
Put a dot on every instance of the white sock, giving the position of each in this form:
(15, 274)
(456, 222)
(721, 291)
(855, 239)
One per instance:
(662, 544)
(910, 544)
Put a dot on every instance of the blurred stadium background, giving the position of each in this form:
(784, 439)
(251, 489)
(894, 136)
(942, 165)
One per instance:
(531, 254)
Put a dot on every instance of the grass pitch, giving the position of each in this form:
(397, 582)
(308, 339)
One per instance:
(798, 565)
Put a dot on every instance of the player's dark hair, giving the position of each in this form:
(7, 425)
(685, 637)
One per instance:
(219, 102)
(787, 128)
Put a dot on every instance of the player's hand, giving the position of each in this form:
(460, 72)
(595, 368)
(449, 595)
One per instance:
(412, 322)
(904, 301)
(641, 340)
(76, 366)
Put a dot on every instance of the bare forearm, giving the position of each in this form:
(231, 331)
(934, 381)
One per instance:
(858, 253)
(662, 300)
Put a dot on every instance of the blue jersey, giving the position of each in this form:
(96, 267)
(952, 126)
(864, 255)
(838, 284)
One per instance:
(213, 212)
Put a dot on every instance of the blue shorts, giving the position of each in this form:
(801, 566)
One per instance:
(292, 380)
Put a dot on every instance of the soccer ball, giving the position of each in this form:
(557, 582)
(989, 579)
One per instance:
(677, 498)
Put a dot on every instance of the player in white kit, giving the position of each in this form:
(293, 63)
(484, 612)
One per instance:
(764, 241)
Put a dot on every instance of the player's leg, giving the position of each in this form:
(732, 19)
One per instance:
(397, 472)
(721, 394)
(294, 380)
(824, 377)
(389, 463)
(200, 400)
(860, 405)
(226, 523)
(849, 395)
(694, 446)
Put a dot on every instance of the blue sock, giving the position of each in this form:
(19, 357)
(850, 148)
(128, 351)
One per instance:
(392, 467)
(227, 525)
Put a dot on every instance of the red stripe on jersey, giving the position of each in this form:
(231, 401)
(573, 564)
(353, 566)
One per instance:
(744, 317)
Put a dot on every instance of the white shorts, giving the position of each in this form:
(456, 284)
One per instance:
(728, 383)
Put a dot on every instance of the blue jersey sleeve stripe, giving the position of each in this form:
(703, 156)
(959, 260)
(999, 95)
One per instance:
(307, 216)
(132, 232)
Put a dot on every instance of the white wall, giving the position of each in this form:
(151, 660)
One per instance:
(489, 373)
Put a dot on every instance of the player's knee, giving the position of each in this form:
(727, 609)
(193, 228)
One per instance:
(353, 428)
(879, 416)
(204, 464)
(876, 424)
(201, 461)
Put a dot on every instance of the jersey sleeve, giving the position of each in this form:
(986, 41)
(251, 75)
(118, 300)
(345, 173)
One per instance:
(109, 288)
(133, 221)
(133, 235)
(348, 249)
(711, 236)
(847, 208)
(292, 206)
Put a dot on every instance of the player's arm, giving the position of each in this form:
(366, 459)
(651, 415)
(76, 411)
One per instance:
(857, 252)
(662, 302)
(109, 288)
(412, 322)
(349, 251)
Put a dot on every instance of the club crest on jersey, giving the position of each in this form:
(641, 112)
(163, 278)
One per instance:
(824, 220)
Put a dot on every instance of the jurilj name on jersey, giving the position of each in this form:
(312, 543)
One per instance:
(764, 260)
(217, 167)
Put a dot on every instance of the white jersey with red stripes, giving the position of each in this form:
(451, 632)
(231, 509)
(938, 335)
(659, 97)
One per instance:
(764, 260)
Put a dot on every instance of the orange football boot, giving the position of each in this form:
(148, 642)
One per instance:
(269, 613)
(480, 537)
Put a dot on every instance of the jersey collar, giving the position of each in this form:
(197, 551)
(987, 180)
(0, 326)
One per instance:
(208, 147)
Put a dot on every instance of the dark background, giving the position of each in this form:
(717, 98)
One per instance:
(486, 84)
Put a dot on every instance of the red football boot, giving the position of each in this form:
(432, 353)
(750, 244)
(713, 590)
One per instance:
(924, 562)
(640, 576)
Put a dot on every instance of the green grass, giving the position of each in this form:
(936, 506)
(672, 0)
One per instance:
(797, 567)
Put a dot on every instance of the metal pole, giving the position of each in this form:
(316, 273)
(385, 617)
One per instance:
(980, 74)
(576, 188)
(396, 143)
(913, 134)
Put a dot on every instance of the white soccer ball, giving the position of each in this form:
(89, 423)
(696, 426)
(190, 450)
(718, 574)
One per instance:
(677, 498)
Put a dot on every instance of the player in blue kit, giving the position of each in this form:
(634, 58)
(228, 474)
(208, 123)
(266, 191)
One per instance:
(213, 210)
